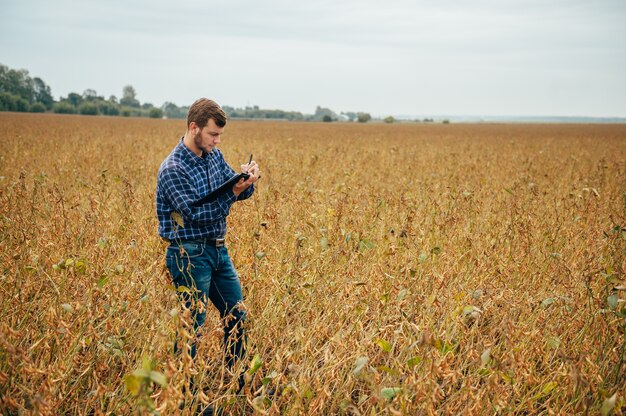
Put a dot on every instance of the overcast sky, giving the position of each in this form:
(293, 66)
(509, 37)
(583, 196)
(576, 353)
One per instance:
(439, 57)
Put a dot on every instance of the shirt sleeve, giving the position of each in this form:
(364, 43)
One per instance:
(180, 193)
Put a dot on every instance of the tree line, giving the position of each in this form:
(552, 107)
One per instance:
(23, 93)
(20, 92)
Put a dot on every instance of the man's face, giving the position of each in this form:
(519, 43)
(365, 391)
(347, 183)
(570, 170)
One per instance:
(208, 137)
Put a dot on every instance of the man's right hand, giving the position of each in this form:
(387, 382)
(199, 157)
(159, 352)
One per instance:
(253, 170)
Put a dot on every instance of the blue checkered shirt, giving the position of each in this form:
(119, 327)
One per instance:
(183, 179)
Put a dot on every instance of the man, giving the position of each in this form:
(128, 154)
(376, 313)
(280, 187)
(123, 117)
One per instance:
(196, 257)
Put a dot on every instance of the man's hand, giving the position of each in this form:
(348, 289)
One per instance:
(253, 170)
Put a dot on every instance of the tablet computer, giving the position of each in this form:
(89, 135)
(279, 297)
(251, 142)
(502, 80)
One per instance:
(222, 189)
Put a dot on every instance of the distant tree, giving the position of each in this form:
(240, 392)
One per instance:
(156, 113)
(326, 118)
(129, 97)
(88, 108)
(147, 106)
(363, 117)
(171, 110)
(114, 110)
(446, 121)
(22, 105)
(389, 119)
(7, 101)
(74, 99)
(37, 108)
(42, 93)
(90, 95)
(104, 107)
(113, 99)
(64, 107)
(16, 82)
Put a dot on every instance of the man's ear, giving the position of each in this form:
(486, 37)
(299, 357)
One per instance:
(192, 127)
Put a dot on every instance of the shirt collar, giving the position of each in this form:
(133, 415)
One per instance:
(189, 155)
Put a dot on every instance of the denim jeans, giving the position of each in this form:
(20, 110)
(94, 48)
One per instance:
(207, 273)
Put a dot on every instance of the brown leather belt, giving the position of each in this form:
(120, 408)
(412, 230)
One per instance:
(217, 242)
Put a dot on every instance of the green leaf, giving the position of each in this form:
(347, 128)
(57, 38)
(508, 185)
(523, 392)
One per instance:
(268, 379)
(508, 377)
(548, 387)
(158, 378)
(485, 357)
(178, 219)
(103, 280)
(390, 392)
(384, 345)
(183, 289)
(80, 266)
(436, 250)
(423, 257)
(365, 244)
(554, 342)
(255, 364)
(612, 300)
(146, 363)
(132, 384)
(608, 405)
(67, 307)
(259, 255)
(444, 346)
(141, 373)
(359, 365)
(468, 309)
(547, 302)
(308, 394)
(324, 243)
(413, 361)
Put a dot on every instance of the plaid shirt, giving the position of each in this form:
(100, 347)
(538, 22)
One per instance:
(184, 178)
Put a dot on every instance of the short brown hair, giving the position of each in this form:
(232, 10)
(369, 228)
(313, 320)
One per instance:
(203, 110)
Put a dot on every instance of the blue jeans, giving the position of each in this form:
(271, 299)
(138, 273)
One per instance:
(207, 273)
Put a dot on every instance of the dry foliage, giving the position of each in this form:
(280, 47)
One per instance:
(395, 269)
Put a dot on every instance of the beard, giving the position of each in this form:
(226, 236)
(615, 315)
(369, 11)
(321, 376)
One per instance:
(197, 140)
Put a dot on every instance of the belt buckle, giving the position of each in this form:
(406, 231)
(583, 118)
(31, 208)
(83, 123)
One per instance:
(219, 242)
